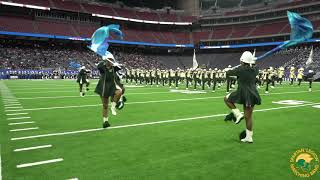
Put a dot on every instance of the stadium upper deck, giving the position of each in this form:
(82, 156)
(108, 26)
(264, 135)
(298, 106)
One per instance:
(230, 27)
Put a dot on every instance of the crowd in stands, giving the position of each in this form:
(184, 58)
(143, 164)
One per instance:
(38, 57)
(41, 57)
(138, 61)
(301, 56)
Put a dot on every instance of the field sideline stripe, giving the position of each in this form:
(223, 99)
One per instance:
(32, 148)
(93, 105)
(27, 117)
(24, 129)
(39, 163)
(11, 102)
(26, 122)
(54, 97)
(14, 114)
(15, 104)
(149, 123)
(32, 92)
(71, 88)
(13, 107)
(145, 102)
(160, 92)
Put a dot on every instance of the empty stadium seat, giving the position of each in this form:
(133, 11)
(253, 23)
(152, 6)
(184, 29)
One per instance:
(44, 3)
(16, 24)
(55, 28)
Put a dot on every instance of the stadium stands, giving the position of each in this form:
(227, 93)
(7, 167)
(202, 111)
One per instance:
(67, 5)
(106, 10)
(197, 36)
(241, 31)
(44, 3)
(98, 9)
(222, 32)
(148, 16)
(55, 28)
(16, 24)
(268, 28)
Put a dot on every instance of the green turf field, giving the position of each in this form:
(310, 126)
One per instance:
(158, 135)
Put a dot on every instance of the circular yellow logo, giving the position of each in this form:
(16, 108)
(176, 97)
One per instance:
(304, 162)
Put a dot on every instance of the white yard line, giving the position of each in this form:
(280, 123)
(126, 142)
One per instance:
(11, 102)
(73, 179)
(13, 99)
(93, 105)
(14, 114)
(32, 148)
(13, 107)
(24, 129)
(39, 163)
(149, 123)
(9, 105)
(26, 122)
(27, 117)
(146, 102)
(55, 97)
(40, 92)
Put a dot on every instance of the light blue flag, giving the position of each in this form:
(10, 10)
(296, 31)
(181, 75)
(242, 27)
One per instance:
(301, 31)
(99, 39)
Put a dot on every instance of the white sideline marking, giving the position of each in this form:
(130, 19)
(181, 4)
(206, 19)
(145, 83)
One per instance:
(93, 105)
(39, 163)
(70, 87)
(146, 102)
(15, 104)
(8, 102)
(32, 148)
(0, 164)
(55, 97)
(13, 107)
(149, 123)
(26, 122)
(19, 118)
(71, 91)
(24, 129)
(73, 179)
(160, 92)
(317, 106)
(11, 99)
(14, 114)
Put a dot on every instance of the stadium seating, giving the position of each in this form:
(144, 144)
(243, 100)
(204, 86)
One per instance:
(197, 36)
(148, 16)
(241, 31)
(182, 38)
(169, 17)
(97, 9)
(55, 28)
(67, 5)
(44, 3)
(268, 28)
(16, 24)
(106, 10)
(125, 13)
(294, 3)
(222, 32)
(85, 30)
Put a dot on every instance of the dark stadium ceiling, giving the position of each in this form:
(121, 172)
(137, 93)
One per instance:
(152, 4)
